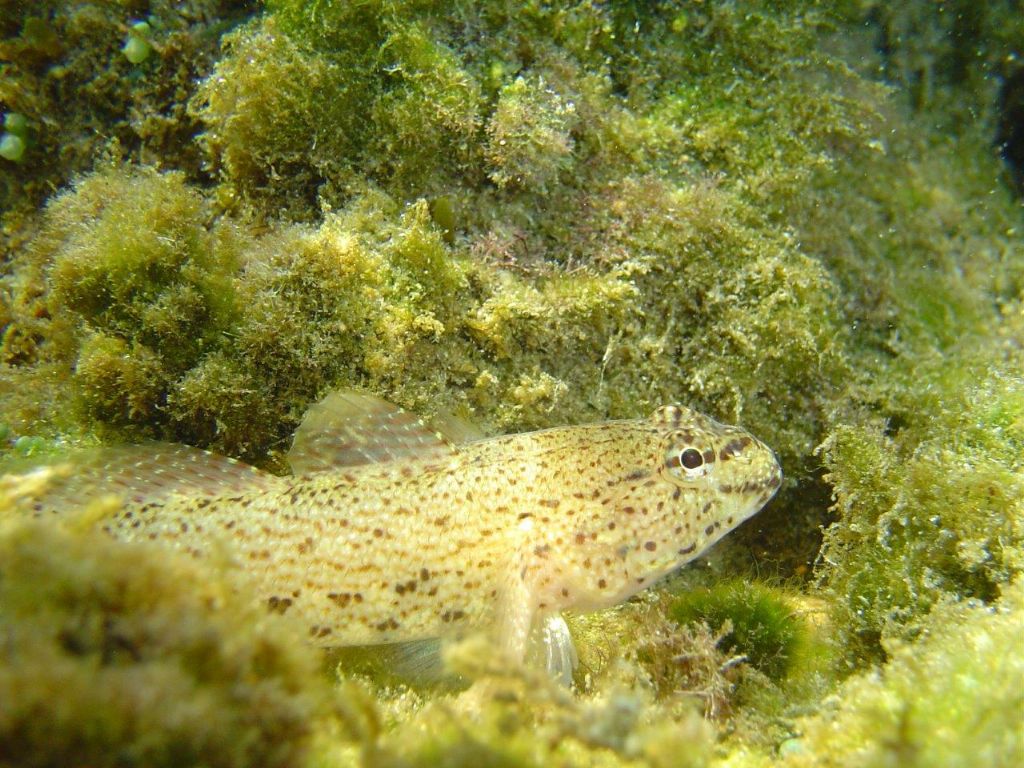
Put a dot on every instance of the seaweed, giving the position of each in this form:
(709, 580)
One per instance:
(130, 655)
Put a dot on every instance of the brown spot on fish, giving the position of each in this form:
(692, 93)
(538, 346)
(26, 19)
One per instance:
(279, 604)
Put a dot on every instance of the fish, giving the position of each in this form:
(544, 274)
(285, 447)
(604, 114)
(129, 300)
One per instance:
(391, 529)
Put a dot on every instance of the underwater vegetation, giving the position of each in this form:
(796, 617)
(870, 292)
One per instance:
(763, 627)
(129, 656)
(952, 699)
(798, 218)
(69, 73)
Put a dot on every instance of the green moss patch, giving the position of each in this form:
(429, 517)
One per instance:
(757, 623)
(126, 655)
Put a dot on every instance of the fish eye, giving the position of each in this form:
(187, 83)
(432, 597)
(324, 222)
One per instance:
(689, 462)
(690, 458)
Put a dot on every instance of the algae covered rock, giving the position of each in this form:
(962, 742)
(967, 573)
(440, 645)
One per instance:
(953, 699)
(128, 255)
(529, 135)
(757, 623)
(121, 655)
(68, 70)
(929, 509)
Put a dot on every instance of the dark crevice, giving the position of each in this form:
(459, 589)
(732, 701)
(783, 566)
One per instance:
(1010, 131)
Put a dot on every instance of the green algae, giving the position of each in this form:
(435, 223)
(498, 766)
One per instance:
(762, 626)
(952, 699)
(127, 254)
(529, 136)
(556, 215)
(929, 499)
(121, 655)
(64, 70)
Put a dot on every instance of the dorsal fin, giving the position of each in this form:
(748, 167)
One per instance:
(140, 474)
(348, 428)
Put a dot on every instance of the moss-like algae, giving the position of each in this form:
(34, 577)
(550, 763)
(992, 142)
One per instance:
(118, 655)
(553, 215)
(64, 70)
(929, 499)
(952, 699)
(759, 625)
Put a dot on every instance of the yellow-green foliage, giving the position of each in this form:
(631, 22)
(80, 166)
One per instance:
(63, 68)
(640, 646)
(120, 382)
(330, 304)
(524, 718)
(929, 499)
(222, 339)
(952, 700)
(529, 136)
(128, 655)
(290, 117)
(131, 256)
(280, 118)
(128, 253)
(552, 172)
(427, 115)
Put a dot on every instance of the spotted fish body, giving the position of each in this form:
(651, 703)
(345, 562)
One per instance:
(373, 544)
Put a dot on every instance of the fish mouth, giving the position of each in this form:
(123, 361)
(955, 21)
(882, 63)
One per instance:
(776, 473)
(772, 479)
(763, 486)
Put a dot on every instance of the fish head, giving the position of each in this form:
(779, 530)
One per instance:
(727, 469)
(690, 482)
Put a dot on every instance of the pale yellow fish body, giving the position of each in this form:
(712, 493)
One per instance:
(434, 540)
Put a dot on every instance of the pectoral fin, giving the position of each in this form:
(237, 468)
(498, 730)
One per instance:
(551, 644)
